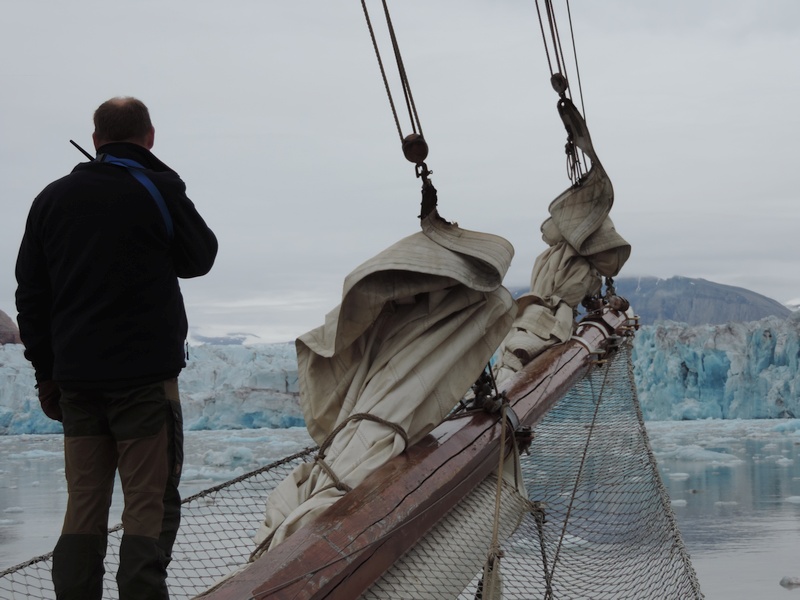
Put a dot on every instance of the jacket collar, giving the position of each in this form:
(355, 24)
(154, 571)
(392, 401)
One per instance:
(134, 152)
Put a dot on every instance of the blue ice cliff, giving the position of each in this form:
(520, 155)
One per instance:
(732, 371)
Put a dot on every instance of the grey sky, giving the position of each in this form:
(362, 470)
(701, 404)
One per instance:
(275, 116)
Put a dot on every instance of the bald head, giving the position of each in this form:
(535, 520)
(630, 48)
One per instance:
(123, 119)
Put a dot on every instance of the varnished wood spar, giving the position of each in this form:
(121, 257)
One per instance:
(347, 548)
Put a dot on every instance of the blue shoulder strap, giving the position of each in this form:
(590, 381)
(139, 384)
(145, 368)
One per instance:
(135, 169)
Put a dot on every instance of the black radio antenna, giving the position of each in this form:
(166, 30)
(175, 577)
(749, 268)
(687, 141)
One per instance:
(85, 153)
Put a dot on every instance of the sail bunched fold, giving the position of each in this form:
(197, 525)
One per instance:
(583, 246)
(416, 325)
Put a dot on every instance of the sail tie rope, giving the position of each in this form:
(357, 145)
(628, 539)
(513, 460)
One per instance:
(492, 582)
(320, 457)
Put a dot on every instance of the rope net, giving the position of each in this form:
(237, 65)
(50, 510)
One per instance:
(597, 521)
(215, 538)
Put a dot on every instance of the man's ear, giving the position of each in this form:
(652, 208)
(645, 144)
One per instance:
(150, 139)
(95, 141)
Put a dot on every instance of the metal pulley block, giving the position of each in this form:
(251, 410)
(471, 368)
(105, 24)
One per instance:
(559, 83)
(415, 148)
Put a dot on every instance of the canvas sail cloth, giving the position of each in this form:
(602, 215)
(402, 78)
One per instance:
(416, 326)
(583, 245)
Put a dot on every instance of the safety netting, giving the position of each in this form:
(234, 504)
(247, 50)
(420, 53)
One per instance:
(596, 522)
(215, 538)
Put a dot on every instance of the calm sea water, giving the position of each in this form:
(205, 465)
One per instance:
(735, 490)
(734, 485)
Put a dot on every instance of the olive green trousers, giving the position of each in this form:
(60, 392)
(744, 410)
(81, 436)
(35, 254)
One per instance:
(137, 432)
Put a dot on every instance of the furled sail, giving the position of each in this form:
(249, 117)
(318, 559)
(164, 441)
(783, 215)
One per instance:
(583, 245)
(416, 326)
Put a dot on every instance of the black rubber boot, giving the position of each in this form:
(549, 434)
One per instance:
(142, 570)
(78, 567)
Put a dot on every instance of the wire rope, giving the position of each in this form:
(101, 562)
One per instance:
(383, 71)
(413, 115)
(576, 162)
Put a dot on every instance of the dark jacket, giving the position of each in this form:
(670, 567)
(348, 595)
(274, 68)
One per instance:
(98, 296)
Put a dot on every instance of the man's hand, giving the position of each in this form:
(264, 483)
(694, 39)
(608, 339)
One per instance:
(49, 397)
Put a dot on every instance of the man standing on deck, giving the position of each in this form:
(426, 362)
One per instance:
(103, 323)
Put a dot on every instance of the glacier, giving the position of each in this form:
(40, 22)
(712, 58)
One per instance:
(222, 387)
(731, 371)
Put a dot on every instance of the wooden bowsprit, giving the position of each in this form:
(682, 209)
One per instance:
(348, 547)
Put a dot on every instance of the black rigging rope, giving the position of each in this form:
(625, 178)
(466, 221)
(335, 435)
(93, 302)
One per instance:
(414, 146)
(575, 55)
(416, 126)
(557, 51)
(383, 71)
(576, 163)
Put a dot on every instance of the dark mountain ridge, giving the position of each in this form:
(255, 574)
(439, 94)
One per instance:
(693, 301)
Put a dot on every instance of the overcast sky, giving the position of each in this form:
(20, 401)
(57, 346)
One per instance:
(275, 115)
